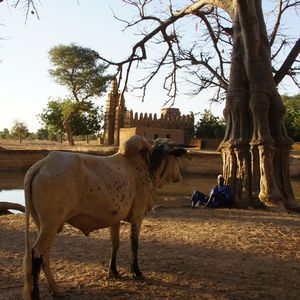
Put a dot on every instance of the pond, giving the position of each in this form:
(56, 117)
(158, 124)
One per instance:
(13, 196)
(11, 188)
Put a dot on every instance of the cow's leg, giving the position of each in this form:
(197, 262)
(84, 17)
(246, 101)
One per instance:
(115, 242)
(36, 268)
(134, 239)
(42, 245)
(46, 267)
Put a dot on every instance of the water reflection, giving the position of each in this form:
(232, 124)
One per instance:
(13, 196)
(11, 187)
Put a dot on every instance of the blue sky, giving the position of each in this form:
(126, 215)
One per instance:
(25, 83)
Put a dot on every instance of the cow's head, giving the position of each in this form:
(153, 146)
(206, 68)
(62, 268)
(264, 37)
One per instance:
(137, 149)
(164, 165)
(134, 145)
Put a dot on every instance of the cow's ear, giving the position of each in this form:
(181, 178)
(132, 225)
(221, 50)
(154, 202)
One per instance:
(157, 155)
(134, 145)
(178, 152)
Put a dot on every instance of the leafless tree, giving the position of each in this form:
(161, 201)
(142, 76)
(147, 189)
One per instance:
(234, 55)
(204, 58)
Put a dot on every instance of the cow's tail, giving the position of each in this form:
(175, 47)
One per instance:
(27, 262)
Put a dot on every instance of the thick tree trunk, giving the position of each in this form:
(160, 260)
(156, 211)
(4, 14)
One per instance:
(68, 129)
(256, 148)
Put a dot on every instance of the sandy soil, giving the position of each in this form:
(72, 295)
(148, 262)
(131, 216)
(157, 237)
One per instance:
(185, 253)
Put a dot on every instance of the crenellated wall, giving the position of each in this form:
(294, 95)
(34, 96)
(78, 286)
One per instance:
(117, 117)
(165, 121)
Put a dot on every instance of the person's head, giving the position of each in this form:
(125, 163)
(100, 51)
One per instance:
(220, 179)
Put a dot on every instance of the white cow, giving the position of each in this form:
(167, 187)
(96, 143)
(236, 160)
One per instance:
(93, 192)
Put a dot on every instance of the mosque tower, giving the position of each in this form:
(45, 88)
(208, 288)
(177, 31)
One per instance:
(119, 118)
(114, 115)
(109, 116)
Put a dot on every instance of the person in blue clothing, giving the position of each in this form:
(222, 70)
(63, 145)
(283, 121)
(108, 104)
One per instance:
(219, 196)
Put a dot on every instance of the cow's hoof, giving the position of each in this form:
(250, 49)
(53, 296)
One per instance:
(57, 293)
(138, 276)
(114, 275)
(35, 294)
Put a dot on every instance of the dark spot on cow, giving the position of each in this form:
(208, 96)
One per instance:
(114, 212)
(98, 188)
(91, 190)
(122, 198)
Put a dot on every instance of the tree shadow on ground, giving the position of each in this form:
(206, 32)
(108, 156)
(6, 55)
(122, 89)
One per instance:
(191, 264)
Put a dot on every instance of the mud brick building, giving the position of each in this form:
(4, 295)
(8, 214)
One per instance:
(120, 123)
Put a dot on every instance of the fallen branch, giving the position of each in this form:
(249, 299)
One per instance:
(6, 206)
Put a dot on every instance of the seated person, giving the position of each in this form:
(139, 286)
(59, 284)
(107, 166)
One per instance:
(219, 196)
(198, 199)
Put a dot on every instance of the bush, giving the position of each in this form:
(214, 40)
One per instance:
(210, 126)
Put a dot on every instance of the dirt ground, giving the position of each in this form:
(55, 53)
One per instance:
(185, 253)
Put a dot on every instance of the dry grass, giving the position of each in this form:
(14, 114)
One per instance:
(184, 254)
(43, 144)
(296, 146)
(93, 146)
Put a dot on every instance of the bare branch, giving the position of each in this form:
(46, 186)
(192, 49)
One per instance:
(205, 62)
(287, 64)
(29, 7)
(214, 38)
(283, 42)
(277, 23)
(161, 28)
(282, 7)
(209, 55)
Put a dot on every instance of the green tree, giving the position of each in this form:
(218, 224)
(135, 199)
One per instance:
(210, 126)
(79, 69)
(52, 118)
(19, 130)
(4, 134)
(81, 123)
(42, 134)
(292, 116)
(87, 122)
(31, 136)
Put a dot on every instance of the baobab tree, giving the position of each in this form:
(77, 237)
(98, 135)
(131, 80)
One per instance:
(255, 148)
